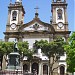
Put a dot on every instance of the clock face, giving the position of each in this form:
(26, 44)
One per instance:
(13, 25)
(60, 25)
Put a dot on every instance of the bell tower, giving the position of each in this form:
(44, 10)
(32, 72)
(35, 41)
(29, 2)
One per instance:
(59, 15)
(15, 16)
(15, 20)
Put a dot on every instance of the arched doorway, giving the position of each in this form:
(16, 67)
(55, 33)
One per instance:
(35, 68)
(62, 70)
(25, 67)
(45, 70)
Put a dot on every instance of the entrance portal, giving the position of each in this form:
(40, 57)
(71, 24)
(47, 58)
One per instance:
(25, 68)
(35, 68)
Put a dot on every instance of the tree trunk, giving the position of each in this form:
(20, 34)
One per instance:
(51, 72)
(50, 67)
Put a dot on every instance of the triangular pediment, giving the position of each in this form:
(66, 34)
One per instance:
(36, 25)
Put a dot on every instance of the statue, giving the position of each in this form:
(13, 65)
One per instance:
(15, 46)
(14, 58)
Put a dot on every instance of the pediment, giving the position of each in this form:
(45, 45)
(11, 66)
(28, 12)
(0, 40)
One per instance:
(36, 25)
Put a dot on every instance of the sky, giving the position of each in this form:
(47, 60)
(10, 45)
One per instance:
(44, 12)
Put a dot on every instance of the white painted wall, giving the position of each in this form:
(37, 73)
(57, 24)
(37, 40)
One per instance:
(11, 39)
(63, 57)
(32, 40)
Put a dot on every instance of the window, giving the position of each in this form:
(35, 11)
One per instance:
(62, 70)
(59, 12)
(14, 15)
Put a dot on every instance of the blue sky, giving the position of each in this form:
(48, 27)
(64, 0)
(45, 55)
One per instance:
(44, 12)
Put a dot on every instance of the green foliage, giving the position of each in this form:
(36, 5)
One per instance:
(39, 44)
(52, 48)
(6, 47)
(23, 47)
(70, 50)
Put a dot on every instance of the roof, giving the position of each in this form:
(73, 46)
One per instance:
(50, 27)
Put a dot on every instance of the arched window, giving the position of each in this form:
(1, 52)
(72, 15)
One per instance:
(35, 68)
(62, 70)
(45, 70)
(59, 12)
(14, 15)
(25, 67)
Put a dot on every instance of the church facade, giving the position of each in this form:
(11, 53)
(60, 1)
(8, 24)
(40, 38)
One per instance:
(38, 30)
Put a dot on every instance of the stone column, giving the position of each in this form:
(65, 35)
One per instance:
(21, 66)
(48, 69)
(6, 38)
(40, 73)
(9, 16)
(41, 68)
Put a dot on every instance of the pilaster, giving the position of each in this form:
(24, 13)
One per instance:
(40, 69)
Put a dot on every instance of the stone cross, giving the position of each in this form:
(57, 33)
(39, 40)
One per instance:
(18, 0)
(36, 9)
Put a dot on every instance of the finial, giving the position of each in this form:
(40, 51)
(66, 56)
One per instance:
(36, 14)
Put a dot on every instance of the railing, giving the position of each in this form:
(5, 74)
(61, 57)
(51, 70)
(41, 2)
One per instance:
(14, 73)
(11, 73)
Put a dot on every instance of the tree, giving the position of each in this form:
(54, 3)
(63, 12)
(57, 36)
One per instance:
(23, 47)
(53, 50)
(70, 51)
(5, 48)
